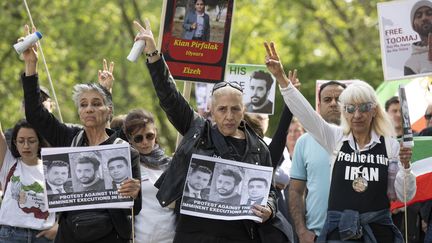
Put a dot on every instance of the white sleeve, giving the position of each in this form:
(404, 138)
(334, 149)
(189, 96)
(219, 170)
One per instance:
(8, 162)
(410, 184)
(403, 176)
(328, 135)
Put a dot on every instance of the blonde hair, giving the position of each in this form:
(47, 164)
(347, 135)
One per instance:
(361, 92)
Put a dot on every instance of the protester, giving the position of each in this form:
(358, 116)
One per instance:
(153, 224)
(95, 107)
(24, 216)
(393, 109)
(310, 171)
(228, 138)
(364, 137)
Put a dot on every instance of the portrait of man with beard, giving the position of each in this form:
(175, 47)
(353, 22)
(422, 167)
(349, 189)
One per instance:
(259, 89)
(87, 173)
(420, 60)
(227, 186)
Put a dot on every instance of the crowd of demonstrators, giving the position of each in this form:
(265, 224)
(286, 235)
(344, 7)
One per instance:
(94, 104)
(23, 218)
(339, 187)
(228, 138)
(359, 187)
(310, 171)
(153, 224)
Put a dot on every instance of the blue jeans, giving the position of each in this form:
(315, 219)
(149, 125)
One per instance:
(10, 234)
(351, 224)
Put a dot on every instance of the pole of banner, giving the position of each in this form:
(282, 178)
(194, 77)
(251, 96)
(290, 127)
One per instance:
(405, 208)
(133, 225)
(186, 94)
(45, 64)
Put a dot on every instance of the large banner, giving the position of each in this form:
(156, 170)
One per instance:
(404, 38)
(196, 38)
(86, 177)
(216, 188)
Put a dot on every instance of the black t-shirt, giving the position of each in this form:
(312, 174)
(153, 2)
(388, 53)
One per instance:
(373, 166)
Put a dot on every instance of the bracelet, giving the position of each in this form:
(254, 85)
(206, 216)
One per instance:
(152, 54)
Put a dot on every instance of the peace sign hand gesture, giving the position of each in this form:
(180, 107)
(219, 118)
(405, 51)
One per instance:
(274, 65)
(106, 77)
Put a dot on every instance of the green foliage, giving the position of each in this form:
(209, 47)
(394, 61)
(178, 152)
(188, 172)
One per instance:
(323, 39)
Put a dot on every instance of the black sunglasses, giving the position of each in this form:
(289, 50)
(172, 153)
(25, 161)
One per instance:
(428, 116)
(139, 138)
(225, 83)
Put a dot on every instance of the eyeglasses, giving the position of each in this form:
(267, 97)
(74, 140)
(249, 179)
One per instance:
(428, 116)
(225, 83)
(363, 107)
(139, 138)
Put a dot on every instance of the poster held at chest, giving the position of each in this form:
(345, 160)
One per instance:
(86, 177)
(195, 38)
(223, 189)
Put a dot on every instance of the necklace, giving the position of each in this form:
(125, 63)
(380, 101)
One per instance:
(359, 184)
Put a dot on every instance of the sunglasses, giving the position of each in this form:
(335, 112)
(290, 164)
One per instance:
(139, 138)
(428, 116)
(363, 107)
(224, 84)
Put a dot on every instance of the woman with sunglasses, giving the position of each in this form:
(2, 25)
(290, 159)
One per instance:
(95, 108)
(153, 224)
(227, 137)
(362, 148)
(23, 215)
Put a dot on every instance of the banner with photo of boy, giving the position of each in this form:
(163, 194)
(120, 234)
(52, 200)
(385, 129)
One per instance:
(195, 38)
(86, 177)
(223, 189)
(404, 29)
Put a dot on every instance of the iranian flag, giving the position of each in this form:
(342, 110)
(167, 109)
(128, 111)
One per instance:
(418, 94)
(421, 167)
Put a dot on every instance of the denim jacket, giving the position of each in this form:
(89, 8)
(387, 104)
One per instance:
(352, 225)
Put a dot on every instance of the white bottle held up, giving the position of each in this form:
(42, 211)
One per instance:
(136, 50)
(28, 41)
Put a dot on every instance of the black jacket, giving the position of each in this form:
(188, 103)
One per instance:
(61, 135)
(199, 138)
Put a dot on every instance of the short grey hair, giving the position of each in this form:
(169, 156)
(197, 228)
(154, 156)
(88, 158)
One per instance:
(79, 89)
